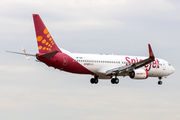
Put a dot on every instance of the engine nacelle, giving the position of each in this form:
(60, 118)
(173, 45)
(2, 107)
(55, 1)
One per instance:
(139, 74)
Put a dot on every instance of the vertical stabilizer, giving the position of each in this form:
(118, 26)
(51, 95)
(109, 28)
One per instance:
(45, 41)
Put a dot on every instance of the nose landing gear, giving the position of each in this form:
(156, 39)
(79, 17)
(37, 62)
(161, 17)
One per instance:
(160, 82)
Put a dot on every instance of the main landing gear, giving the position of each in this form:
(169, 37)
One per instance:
(94, 80)
(160, 82)
(115, 80)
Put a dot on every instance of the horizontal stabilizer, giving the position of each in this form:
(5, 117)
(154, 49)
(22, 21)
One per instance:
(21, 53)
(49, 55)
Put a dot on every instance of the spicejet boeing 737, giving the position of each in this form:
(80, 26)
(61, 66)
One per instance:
(100, 66)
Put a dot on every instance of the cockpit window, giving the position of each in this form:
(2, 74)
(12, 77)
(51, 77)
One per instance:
(169, 64)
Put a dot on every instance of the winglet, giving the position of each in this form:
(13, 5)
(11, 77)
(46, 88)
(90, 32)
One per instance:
(151, 55)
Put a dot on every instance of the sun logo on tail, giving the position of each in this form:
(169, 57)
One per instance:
(45, 43)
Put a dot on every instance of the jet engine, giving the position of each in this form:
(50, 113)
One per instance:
(138, 74)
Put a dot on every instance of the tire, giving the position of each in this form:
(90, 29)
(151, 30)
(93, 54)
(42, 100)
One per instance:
(159, 82)
(92, 80)
(116, 80)
(95, 81)
(113, 80)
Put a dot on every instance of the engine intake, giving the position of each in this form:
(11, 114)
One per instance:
(139, 74)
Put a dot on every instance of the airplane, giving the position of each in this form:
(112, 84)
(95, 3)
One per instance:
(100, 66)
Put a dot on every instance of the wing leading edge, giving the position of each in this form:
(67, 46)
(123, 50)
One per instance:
(126, 69)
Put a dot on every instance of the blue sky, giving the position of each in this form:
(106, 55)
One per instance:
(30, 90)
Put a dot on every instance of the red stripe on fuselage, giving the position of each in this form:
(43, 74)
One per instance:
(64, 62)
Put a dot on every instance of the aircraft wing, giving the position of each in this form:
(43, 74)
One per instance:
(126, 69)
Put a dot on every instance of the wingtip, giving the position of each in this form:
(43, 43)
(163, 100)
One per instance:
(151, 55)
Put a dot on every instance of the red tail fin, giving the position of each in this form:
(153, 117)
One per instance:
(45, 41)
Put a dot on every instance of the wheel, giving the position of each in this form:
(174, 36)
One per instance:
(116, 80)
(113, 80)
(92, 80)
(160, 82)
(95, 81)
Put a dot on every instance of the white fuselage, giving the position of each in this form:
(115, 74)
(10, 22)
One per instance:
(100, 63)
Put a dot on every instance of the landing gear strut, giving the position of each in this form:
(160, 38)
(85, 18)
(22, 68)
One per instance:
(115, 80)
(160, 82)
(94, 80)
